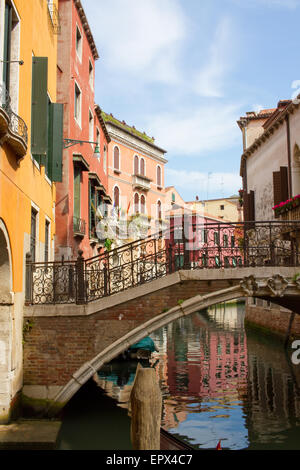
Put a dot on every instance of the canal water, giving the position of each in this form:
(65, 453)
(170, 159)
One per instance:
(219, 380)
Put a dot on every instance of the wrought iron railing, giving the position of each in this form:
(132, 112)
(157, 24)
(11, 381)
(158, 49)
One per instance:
(54, 17)
(16, 123)
(189, 246)
(79, 226)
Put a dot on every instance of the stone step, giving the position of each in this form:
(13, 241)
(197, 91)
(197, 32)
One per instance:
(29, 435)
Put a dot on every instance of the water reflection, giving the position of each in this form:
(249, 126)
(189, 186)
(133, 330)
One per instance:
(219, 382)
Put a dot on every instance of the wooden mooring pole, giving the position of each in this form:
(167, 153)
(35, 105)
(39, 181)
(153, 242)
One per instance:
(146, 409)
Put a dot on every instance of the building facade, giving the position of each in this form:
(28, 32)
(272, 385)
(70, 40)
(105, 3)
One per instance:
(135, 169)
(84, 181)
(30, 162)
(270, 168)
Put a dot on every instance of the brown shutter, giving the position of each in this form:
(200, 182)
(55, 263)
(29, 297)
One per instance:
(251, 206)
(246, 206)
(284, 185)
(277, 187)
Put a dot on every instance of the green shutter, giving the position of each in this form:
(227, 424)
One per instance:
(39, 109)
(55, 141)
(77, 178)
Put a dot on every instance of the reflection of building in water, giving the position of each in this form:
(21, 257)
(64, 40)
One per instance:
(273, 391)
(228, 314)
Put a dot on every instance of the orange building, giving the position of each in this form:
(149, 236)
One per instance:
(30, 166)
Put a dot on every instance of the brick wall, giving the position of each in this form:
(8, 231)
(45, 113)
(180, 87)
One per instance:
(58, 346)
(273, 318)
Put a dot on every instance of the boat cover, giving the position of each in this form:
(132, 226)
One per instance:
(145, 343)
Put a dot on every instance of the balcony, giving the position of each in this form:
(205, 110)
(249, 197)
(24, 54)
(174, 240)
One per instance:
(54, 17)
(13, 129)
(141, 182)
(79, 227)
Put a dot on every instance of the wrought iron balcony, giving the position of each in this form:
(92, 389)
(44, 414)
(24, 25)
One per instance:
(79, 227)
(12, 127)
(54, 17)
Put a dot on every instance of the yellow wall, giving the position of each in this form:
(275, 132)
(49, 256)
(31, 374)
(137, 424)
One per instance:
(212, 207)
(22, 183)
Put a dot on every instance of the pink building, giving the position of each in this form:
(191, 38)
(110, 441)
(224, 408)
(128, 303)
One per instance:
(135, 170)
(84, 183)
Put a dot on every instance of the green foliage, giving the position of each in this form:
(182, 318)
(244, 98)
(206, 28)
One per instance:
(180, 301)
(27, 327)
(108, 242)
(165, 310)
(296, 277)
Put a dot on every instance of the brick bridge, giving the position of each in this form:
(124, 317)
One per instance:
(69, 338)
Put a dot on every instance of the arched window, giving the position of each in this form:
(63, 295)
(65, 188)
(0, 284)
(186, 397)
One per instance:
(116, 158)
(142, 167)
(136, 203)
(136, 165)
(116, 196)
(143, 204)
(159, 210)
(158, 176)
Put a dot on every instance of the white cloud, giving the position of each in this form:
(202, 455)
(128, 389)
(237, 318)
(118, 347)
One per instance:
(138, 37)
(203, 184)
(196, 132)
(209, 80)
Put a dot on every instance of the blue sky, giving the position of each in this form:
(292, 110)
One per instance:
(184, 71)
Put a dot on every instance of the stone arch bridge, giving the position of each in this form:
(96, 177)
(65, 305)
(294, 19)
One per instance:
(69, 339)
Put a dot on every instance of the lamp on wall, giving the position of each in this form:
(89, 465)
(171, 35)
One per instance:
(69, 142)
(20, 62)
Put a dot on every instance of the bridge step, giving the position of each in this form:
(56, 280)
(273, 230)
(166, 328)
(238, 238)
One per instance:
(29, 435)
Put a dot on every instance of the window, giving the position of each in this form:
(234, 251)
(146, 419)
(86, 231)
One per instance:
(158, 176)
(233, 261)
(136, 203)
(91, 127)
(93, 204)
(104, 158)
(221, 207)
(77, 104)
(204, 235)
(217, 261)
(33, 234)
(142, 167)
(116, 196)
(232, 241)
(116, 159)
(10, 52)
(159, 214)
(173, 198)
(226, 262)
(204, 260)
(47, 238)
(91, 75)
(136, 165)
(77, 191)
(216, 238)
(39, 109)
(143, 204)
(225, 241)
(78, 43)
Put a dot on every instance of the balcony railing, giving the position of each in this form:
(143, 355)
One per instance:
(54, 17)
(141, 182)
(196, 246)
(12, 126)
(79, 226)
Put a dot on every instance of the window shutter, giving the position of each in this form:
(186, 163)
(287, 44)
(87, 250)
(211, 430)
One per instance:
(55, 143)
(246, 206)
(39, 109)
(276, 187)
(251, 205)
(284, 184)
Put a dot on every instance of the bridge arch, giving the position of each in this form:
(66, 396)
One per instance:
(5, 265)
(88, 369)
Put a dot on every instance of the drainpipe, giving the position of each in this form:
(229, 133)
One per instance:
(287, 120)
